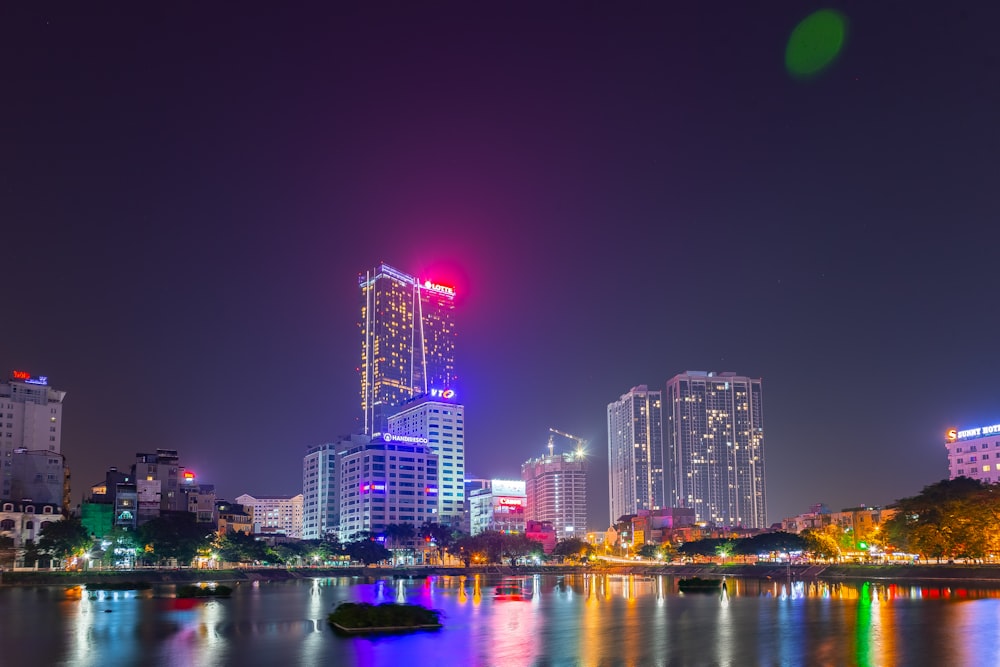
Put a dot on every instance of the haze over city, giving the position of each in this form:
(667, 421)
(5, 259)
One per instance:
(617, 196)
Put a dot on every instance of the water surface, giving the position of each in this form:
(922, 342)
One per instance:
(574, 620)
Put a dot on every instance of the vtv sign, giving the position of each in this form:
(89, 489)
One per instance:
(443, 393)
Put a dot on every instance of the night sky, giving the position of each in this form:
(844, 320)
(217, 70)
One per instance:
(619, 193)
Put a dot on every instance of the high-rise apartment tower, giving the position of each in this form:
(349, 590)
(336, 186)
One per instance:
(556, 491)
(407, 341)
(715, 444)
(635, 452)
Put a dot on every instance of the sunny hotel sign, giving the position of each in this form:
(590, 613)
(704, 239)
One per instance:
(953, 434)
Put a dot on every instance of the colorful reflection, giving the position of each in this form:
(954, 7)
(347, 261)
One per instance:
(593, 619)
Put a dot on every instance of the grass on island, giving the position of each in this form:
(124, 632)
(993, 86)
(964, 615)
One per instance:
(196, 591)
(361, 617)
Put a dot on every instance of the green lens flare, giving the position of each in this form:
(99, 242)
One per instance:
(815, 43)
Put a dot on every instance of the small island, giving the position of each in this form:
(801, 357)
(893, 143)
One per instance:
(354, 618)
(699, 585)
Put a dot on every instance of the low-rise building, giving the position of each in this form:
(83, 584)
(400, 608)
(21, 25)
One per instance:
(24, 520)
(233, 518)
(498, 507)
(275, 515)
(541, 531)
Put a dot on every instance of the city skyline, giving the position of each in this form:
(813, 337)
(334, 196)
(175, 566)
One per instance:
(616, 195)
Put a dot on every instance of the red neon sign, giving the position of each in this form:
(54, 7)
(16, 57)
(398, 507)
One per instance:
(20, 375)
(511, 501)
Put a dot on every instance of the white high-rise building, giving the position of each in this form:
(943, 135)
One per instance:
(275, 514)
(714, 427)
(320, 488)
(556, 492)
(30, 419)
(437, 421)
(385, 482)
(635, 452)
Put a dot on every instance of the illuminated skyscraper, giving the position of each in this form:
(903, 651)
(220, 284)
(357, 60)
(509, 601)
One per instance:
(556, 492)
(635, 452)
(715, 445)
(407, 344)
(438, 423)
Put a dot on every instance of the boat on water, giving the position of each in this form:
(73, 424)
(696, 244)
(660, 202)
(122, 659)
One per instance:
(699, 585)
(513, 589)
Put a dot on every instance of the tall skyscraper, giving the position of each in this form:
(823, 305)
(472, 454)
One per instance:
(715, 445)
(407, 344)
(635, 452)
(556, 492)
(438, 421)
(30, 419)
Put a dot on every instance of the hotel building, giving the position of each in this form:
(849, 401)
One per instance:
(275, 514)
(321, 489)
(556, 492)
(30, 419)
(385, 482)
(715, 447)
(437, 421)
(407, 341)
(635, 452)
(974, 452)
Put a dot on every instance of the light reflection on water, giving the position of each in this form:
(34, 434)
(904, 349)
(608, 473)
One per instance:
(596, 619)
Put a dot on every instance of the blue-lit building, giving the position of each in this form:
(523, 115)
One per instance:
(385, 481)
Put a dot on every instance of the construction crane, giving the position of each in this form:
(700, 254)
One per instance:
(581, 444)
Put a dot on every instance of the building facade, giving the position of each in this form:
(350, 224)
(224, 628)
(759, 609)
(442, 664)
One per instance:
(30, 419)
(233, 518)
(715, 447)
(407, 341)
(39, 476)
(321, 489)
(635, 452)
(499, 507)
(556, 492)
(23, 521)
(275, 514)
(384, 482)
(974, 452)
(439, 423)
(163, 466)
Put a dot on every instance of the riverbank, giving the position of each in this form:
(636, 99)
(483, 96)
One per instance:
(903, 573)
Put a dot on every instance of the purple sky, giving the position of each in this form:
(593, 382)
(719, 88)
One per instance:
(188, 193)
